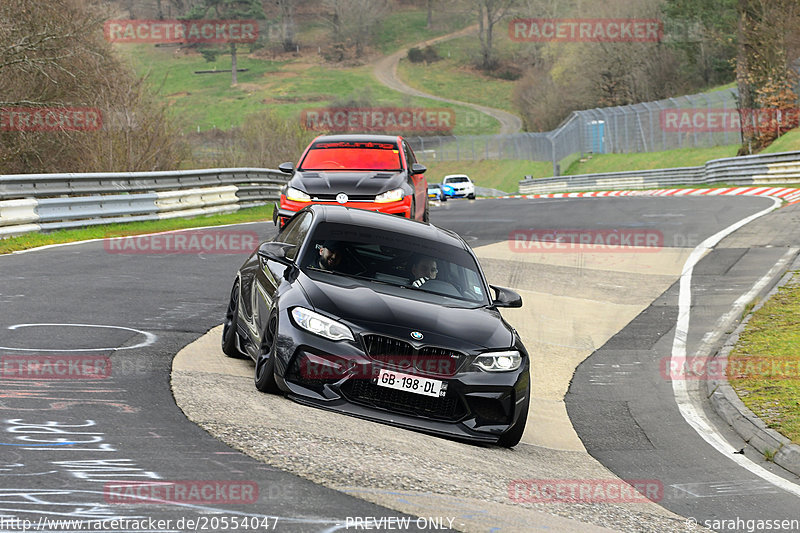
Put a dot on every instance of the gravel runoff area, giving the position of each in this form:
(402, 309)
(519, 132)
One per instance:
(403, 470)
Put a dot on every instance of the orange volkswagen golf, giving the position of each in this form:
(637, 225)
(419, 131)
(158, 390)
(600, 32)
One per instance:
(373, 172)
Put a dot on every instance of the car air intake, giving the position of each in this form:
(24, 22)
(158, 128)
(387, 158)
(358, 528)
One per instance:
(362, 391)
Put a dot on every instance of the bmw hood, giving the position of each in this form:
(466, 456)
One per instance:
(367, 183)
(356, 302)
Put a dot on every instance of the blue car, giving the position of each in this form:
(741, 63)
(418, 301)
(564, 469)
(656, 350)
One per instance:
(440, 192)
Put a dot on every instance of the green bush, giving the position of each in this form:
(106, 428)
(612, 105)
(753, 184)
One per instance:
(415, 55)
(429, 54)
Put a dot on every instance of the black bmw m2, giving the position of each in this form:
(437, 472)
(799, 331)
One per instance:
(383, 318)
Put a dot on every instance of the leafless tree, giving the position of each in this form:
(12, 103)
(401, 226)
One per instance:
(286, 10)
(52, 54)
(490, 12)
(264, 140)
(353, 22)
(766, 64)
(569, 76)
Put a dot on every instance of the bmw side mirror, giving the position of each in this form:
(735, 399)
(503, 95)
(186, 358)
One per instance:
(276, 251)
(505, 297)
(416, 168)
(286, 168)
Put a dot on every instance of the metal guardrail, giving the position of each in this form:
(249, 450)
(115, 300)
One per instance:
(747, 170)
(35, 202)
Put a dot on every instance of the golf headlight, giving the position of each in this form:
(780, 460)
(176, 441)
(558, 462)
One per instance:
(390, 196)
(499, 361)
(321, 325)
(296, 195)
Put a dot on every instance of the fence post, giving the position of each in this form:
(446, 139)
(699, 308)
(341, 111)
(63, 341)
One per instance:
(708, 107)
(678, 133)
(694, 127)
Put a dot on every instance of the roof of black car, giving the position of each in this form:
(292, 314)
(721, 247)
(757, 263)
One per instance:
(387, 222)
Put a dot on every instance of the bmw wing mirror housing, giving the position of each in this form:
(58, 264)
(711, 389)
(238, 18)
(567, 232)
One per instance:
(286, 168)
(505, 297)
(416, 168)
(276, 251)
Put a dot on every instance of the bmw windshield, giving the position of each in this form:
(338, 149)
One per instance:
(396, 263)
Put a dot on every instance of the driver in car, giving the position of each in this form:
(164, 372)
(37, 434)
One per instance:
(330, 255)
(423, 268)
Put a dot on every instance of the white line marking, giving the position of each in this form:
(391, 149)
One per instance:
(149, 338)
(691, 412)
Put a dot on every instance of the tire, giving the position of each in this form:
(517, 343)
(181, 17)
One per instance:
(426, 216)
(443, 198)
(471, 196)
(230, 326)
(511, 438)
(413, 214)
(265, 367)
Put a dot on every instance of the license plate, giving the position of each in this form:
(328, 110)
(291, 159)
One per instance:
(409, 383)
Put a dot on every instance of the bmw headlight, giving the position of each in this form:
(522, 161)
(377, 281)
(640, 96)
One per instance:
(498, 361)
(390, 196)
(321, 325)
(297, 195)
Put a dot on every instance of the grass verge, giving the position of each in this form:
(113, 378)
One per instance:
(455, 76)
(408, 27)
(786, 143)
(506, 174)
(445, 78)
(764, 366)
(33, 240)
(503, 175)
(207, 101)
(684, 157)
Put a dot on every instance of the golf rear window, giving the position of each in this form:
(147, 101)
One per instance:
(350, 155)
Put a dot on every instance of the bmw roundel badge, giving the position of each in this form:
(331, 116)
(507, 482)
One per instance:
(416, 335)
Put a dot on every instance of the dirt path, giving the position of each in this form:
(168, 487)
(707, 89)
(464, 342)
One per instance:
(385, 71)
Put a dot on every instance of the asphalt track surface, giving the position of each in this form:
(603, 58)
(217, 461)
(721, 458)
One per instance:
(64, 440)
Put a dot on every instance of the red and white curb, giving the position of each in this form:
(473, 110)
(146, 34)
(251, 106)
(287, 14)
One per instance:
(791, 196)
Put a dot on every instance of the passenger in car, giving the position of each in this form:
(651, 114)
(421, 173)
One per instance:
(423, 268)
